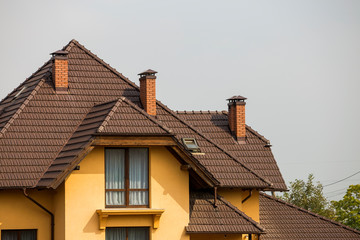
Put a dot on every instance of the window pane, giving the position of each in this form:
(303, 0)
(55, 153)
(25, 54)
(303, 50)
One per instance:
(28, 235)
(13, 234)
(115, 234)
(138, 233)
(115, 198)
(9, 235)
(115, 168)
(138, 172)
(138, 198)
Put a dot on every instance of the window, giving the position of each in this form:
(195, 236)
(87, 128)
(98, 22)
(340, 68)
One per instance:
(191, 144)
(135, 233)
(127, 177)
(18, 234)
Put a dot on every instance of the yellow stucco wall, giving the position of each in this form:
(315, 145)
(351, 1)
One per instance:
(85, 193)
(18, 212)
(235, 196)
(75, 202)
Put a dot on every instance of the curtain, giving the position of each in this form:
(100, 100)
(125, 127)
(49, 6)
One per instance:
(138, 175)
(9, 235)
(28, 235)
(115, 234)
(115, 176)
(13, 234)
(138, 233)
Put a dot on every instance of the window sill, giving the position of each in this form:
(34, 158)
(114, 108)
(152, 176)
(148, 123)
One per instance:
(105, 213)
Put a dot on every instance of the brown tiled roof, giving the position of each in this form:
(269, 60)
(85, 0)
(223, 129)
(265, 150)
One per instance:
(78, 143)
(286, 221)
(222, 165)
(115, 117)
(128, 118)
(225, 218)
(255, 153)
(36, 125)
(41, 121)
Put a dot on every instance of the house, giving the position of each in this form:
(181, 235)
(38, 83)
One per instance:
(87, 154)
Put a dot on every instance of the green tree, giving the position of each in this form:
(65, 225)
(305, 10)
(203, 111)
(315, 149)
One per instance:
(347, 210)
(309, 196)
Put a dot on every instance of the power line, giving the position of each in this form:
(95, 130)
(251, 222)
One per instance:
(342, 190)
(341, 180)
(342, 193)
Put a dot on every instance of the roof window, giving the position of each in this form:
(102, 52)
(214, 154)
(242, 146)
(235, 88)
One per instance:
(191, 145)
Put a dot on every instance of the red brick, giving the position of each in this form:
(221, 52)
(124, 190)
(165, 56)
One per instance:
(148, 94)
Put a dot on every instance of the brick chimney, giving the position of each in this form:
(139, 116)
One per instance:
(236, 117)
(148, 91)
(60, 71)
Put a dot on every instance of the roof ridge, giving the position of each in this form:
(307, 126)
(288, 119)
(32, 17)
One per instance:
(168, 130)
(109, 114)
(216, 145)
(19, 110)
(113, 70)
(308, 212)
(261, 137)
(256, 133)
(199, 112)
(230, 205)
(32, 75)
(68, 46)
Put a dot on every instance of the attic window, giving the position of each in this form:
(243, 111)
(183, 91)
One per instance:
(17, 95)
(191, 145)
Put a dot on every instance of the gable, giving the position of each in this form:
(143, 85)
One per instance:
(47, 121)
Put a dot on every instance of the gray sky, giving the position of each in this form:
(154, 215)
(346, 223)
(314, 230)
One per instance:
(297, 62)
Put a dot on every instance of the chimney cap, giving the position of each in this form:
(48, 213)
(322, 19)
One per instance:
(148, 72)
(59, 53)
(237, 99)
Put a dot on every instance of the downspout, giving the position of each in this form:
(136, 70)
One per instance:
(250, 193)
(43, 208)
(215, 196)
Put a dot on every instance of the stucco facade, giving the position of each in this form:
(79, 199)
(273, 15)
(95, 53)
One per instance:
(75, 202)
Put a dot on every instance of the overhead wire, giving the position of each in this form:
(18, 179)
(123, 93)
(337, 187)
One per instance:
(341, 179)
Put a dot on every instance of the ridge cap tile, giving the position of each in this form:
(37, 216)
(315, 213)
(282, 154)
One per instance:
(102, 62)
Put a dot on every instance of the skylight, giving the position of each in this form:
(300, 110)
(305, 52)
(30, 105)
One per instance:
(191, 144)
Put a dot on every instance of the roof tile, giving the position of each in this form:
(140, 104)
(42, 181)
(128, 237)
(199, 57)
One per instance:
(224, 218)
(286, 221)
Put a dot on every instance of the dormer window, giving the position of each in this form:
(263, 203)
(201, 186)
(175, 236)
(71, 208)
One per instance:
(191, 145)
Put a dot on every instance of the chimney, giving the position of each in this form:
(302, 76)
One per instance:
(60, 71)
(148, 91)
(236, 117)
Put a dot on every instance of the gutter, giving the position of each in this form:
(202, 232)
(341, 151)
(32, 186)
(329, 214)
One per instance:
(46, 210)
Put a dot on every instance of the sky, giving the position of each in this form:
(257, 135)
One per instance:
(297, 62)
